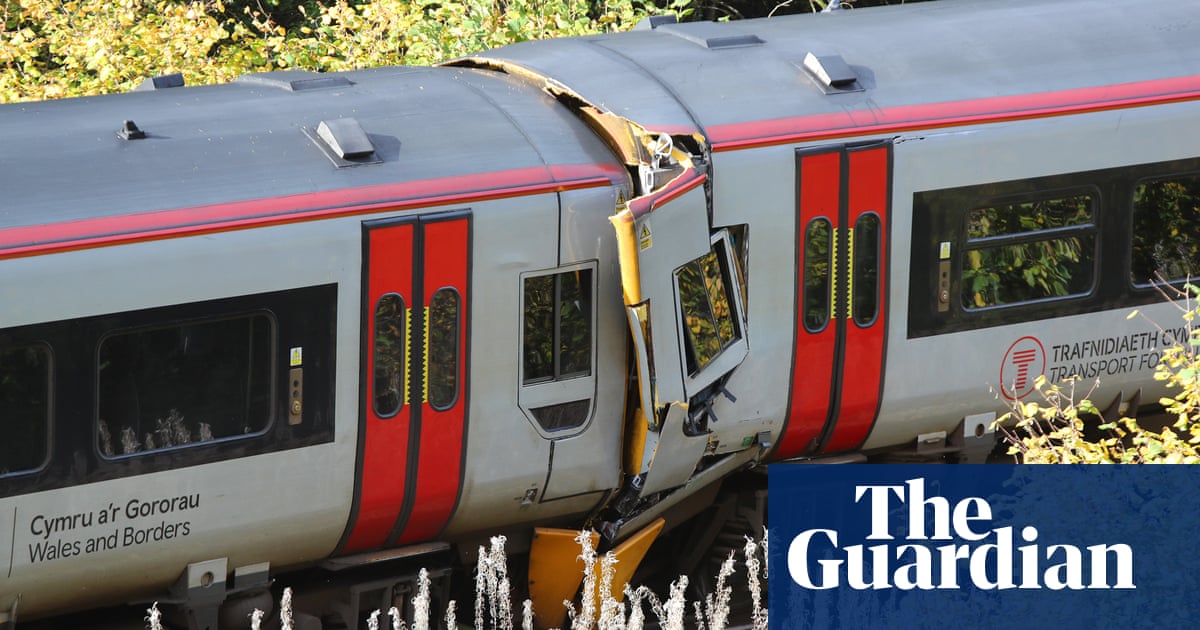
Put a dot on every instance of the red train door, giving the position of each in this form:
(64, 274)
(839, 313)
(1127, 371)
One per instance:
(414, 392)
(843, 200)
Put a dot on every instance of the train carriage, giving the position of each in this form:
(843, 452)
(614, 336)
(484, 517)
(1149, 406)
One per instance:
(348, 323)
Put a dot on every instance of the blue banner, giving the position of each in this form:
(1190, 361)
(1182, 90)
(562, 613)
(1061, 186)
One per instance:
(937, 546)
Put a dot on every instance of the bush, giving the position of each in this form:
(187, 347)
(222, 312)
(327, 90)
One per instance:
(1053, 431)
(57, 48)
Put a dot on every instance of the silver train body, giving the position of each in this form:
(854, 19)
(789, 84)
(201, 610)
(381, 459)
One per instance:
(306, 318)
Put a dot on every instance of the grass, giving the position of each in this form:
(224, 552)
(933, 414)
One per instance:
(494, 605)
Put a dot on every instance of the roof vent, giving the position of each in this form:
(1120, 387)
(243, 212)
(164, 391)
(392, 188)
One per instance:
(651, 22)
(130, 131)
(710, 34)
(163, 82)
(344, 142)
(832, 73)
(295, 80)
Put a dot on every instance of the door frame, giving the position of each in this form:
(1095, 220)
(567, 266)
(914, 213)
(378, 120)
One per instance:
(838, 366)
(410, 468)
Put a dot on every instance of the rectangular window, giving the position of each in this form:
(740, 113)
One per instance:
(558, 326)
(1166, 230)
(709, 318)
(1027, 251)
(24, 408)
(184, 384)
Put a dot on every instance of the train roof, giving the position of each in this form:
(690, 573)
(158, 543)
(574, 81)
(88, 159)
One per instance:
(949, 51)
(260, 137)
(782, 79)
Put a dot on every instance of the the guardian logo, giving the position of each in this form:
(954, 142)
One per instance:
(953, 550)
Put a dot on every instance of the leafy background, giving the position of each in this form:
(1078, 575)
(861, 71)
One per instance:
(58, 48)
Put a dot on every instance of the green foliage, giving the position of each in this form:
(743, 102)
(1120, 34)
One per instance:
(1007, 267)
(1164, 236)
(59, 48)
(1052, 432)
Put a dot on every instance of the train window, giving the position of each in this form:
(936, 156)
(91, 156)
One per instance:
(557, 336)
(442, 346)
(818, 247)
(190, 383)
(390, 331)
(1029, 250)
(24, 408)
(557, 341)
(707, 307)
(865, 304)
(562, 415)
(1166, 225)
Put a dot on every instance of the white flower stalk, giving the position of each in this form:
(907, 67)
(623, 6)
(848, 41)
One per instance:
(285, 610)
(699, 616)
(612, 613)
(256, 619)
(676, 606)
(420, 603)
(397, 620)
(527, 615)
(451, 615)
(502, 594)
(587, 605)
(758, 613)
(481, 578)
(637, 617)
(717, 602)
(373, 620)
(154, 617)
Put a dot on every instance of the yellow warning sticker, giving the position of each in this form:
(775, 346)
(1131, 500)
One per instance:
(645, 239)
(297, 357)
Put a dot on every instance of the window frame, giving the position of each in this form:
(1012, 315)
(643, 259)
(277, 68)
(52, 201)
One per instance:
(732, 354)
(1150, 284)
(48, 351)
(455, 350)
(271, 370)
(402, 398)
(559, 389)
(856, 270)
(1090, 229)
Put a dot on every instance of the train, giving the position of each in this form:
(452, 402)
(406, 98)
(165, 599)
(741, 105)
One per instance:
(320, 328)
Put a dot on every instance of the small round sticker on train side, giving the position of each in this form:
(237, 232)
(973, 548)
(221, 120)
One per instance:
(297, 357)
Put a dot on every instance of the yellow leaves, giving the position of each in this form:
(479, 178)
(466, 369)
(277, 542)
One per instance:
(62, 48)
